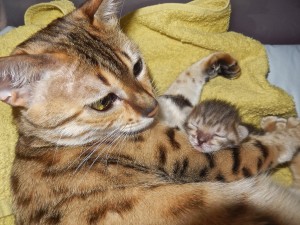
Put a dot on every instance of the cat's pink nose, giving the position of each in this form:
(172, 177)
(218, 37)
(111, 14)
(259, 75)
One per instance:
(151, 111)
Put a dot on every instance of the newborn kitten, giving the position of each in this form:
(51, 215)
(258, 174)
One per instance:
(213, 125)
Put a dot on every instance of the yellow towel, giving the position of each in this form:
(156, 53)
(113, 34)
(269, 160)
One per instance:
(171, 37)
(36, 17)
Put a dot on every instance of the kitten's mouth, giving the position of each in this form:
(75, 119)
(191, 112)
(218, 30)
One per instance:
(204, 148)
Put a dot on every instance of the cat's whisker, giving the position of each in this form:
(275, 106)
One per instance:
(113, 144)
(97, 144)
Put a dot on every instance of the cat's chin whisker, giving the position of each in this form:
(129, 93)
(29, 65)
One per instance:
(108, 149)
(96, 145)
(132, 129)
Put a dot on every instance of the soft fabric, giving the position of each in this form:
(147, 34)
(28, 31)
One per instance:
(36, 17)
(171, 37)
(285, 69)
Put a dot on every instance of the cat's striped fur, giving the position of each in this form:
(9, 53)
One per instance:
(90, 151)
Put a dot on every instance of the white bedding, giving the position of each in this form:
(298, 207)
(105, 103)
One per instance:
(284, 72)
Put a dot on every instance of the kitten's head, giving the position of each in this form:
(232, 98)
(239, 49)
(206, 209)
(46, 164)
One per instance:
(79, 80)
(213, 125)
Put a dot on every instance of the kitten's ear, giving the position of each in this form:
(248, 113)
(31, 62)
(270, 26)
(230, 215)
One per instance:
(17, 76)
(242, 132)
(101, 10)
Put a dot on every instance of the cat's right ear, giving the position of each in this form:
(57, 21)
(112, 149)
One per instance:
(18, 75)
(101, 10)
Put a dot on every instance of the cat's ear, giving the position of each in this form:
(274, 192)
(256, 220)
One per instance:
(17, 76)
(243, 132)
(101, 10)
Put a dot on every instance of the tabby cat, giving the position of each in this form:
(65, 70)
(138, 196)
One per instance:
(91, 152)
(213, 125)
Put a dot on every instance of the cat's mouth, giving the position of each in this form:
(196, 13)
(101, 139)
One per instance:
(132, 129)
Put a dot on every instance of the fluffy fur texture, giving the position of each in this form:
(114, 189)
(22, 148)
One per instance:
(91, 152)
(213, 125)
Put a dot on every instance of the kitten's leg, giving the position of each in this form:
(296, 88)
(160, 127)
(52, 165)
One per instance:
(272, 123)
(190, 82)
(184, 92)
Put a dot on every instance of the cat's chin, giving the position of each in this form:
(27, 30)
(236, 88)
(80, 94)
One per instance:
(133, 129)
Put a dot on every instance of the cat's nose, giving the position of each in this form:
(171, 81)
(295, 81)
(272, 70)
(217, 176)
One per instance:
(150, 111)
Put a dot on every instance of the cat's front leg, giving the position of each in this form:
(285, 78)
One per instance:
(184, 93)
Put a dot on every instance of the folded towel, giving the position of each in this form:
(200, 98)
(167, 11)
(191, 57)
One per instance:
(36, 17)
(171, 37)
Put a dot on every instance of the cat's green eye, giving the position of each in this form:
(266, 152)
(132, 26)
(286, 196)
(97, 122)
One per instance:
(104, 103)
(138, 67)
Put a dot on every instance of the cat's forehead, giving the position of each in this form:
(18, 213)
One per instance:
(104, 46)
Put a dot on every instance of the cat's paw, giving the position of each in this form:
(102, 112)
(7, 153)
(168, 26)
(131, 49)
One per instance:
(272, 123)
(287, 134)
(223, 64)
(293, 122)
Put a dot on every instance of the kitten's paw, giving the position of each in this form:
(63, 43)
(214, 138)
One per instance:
(223, 64)
(293, 122)
(272, 123)
(287, 134)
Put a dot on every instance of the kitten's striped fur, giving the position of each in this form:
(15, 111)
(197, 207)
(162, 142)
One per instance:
(213, 125)
(77, 165)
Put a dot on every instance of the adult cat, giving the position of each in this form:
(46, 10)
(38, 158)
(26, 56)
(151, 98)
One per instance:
(91, 152)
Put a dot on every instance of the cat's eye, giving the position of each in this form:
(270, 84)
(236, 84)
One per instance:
(104, 103)
(138, 67)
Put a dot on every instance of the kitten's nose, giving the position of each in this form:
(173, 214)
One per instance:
(202, 137)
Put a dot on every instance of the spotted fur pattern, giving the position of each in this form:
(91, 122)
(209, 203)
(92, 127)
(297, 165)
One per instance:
(91, 152)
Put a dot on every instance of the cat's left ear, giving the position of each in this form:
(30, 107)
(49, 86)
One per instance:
(18, 74)
(243, 132)
(101, 10)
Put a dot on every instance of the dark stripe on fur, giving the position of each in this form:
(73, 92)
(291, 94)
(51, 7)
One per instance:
(210, 159)
(259, 164)
(179, 100)
(220, 177)
(203, 172)
(185, 165)
(171, 137)
(246, 172)
(162, 155)
(236, 160)
(264, 150)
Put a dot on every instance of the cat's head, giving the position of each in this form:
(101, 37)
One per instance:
(213, 125)
(79, 79)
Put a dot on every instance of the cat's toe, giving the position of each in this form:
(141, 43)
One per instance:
(272, 123)
(293, 122)
(223, 64)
